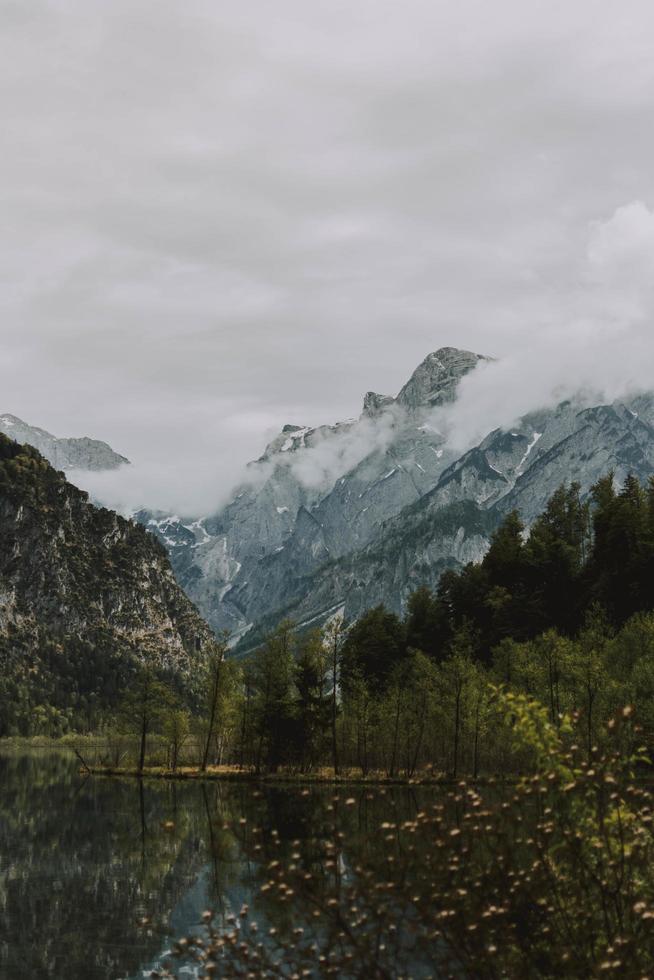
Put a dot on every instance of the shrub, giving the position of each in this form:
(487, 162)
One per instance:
(549, 877)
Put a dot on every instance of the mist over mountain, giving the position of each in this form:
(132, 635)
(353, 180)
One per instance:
(341, 517)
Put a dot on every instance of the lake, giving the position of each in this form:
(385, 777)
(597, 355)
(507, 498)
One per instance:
(98, 875)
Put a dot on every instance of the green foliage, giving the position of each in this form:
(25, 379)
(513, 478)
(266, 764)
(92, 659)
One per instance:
(545, 613)
(313, 704)
(219, 710)
(144, 707)
(577, 553)
(374, 645)
(176, 730)
(273, 682)
(424, 622)
(407, 698)
(551, 877)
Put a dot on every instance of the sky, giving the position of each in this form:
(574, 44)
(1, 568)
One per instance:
(219, 217)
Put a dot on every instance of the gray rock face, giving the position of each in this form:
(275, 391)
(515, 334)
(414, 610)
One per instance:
(84, 582)
(343, 517)
(434, 382)
(374, 404)
(63, 454)
(315, 496)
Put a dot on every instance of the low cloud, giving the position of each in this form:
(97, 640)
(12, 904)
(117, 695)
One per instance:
(600, 350)
(169, 486)
(336, 452)
(190, 487)
(220, 218)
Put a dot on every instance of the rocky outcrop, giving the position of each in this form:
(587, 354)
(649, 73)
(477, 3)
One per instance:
(434, 382)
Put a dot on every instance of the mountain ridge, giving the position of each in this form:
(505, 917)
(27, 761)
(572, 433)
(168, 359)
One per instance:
(286, 544)
(308, 530)
(80, 453)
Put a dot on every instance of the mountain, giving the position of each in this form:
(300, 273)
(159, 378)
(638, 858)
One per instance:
(341, 517)
(63, 454)
(452, 524)
(313, 497)
(85, 596)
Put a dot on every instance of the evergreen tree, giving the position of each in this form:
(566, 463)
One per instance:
(425, 627)
(374, 644)
(273, 676)
(556, 550)
(313, 706)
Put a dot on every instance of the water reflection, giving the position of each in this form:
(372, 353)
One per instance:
(97, 875)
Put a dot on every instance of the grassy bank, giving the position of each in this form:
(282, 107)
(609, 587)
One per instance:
(233, 774)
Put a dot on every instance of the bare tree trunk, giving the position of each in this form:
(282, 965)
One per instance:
(396, 729)
(457, 715)
(144, 735)
(245, 725)
(334, 704)
(550, 672)
(475, 758)
(591, 700)
(215, 689)
(419, 738)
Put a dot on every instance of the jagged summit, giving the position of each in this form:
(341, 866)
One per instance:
(434, 382)
(63, 454)
(322, 492)
(291, 437)
(374, 403)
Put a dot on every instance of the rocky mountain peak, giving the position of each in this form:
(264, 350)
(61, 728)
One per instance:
(434, 382)
(374, 403)
(290, 438)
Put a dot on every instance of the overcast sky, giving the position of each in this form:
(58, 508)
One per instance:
(218, 217)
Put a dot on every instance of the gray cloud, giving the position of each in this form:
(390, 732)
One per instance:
(599, 349)
(218, 218)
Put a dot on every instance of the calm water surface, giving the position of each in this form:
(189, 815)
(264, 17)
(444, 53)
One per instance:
(83, 860)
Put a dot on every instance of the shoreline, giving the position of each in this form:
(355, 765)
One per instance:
(216, 774)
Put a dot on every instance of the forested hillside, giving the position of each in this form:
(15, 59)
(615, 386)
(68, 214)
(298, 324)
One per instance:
(86, 598)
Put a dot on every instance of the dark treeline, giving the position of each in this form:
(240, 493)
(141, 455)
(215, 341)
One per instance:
(562, 614)
(577, 555)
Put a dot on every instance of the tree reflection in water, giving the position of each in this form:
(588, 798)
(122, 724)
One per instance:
(98, 875)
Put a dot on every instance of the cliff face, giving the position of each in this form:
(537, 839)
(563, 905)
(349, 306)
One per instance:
(84, 595)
